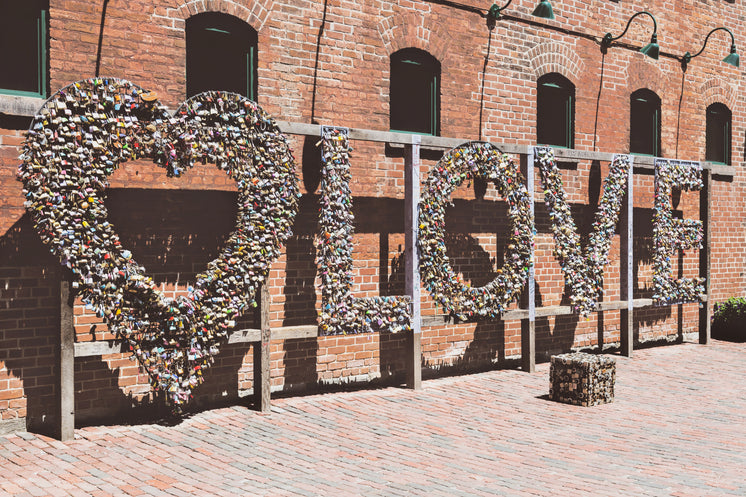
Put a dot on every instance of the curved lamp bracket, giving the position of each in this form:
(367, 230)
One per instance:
(608, 38)
(732, 58)
(544, 9)
(495, 13)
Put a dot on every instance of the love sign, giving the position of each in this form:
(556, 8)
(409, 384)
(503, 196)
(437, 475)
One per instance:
(86, 130)
(81, 135)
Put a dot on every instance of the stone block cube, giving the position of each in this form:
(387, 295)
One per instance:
(582, 379)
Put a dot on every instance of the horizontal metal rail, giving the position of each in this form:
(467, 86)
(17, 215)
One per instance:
(253, 335)
(641, 162)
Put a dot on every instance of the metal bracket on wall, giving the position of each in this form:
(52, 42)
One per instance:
(326, 131)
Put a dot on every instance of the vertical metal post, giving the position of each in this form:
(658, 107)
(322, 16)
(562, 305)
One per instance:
(66, 429)
(262, 379)
(528, 327)
(705, 260)
(412, 281)
(626, 261)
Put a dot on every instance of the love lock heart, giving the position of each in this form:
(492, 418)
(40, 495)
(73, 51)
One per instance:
(81, 135)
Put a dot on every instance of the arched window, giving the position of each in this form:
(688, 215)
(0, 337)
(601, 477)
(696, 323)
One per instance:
(23, 38)
(645, 123)
(718, 136)
(221, 55)
(415, 92)
(555, 111)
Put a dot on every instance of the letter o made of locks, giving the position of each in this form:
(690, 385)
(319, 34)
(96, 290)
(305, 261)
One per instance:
(81, 135)
(464, 163)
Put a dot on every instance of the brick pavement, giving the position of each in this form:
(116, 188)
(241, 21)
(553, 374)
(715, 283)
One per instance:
(676, 428)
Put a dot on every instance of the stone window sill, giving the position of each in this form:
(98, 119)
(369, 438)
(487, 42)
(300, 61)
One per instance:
(15, 105)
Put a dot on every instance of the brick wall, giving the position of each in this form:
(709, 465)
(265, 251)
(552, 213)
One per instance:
(340, 75)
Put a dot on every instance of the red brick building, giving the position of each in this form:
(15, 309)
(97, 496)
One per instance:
(353, 64)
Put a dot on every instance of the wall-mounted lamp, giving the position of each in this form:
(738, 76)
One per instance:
(732, 58)
(544, 9)
(651, 49)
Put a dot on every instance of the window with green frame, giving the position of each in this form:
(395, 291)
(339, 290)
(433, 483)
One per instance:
(555, 111)
(645, 123)
(415, 92)
(24, 40)
(221, 54)
(718, 134)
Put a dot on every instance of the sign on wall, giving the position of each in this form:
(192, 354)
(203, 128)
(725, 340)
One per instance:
(87, 129)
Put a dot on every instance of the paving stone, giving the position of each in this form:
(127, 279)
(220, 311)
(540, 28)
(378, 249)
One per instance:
(676, 427)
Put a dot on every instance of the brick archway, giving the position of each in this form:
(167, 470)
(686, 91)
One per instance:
(643, 73)
(255, 16)
(411, 29)
(716, 91)
(553, 56)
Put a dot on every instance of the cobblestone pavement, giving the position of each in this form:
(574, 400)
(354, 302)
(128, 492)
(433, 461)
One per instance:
(677, 427)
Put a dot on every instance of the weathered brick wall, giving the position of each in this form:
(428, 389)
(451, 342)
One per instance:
(340, 75)
(29, 329)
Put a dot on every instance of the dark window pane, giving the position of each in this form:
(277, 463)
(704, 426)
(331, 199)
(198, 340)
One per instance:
(415, 92)
(221, 54)
(555, 111)
(644, 125)
(23, 38)
(718, 134)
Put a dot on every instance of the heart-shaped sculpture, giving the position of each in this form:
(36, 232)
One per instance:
(81, 135)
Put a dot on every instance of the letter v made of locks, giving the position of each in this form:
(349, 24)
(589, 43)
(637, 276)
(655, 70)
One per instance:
(583, 272)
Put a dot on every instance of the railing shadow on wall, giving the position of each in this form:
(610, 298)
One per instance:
(189, 245)
(29, 321)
